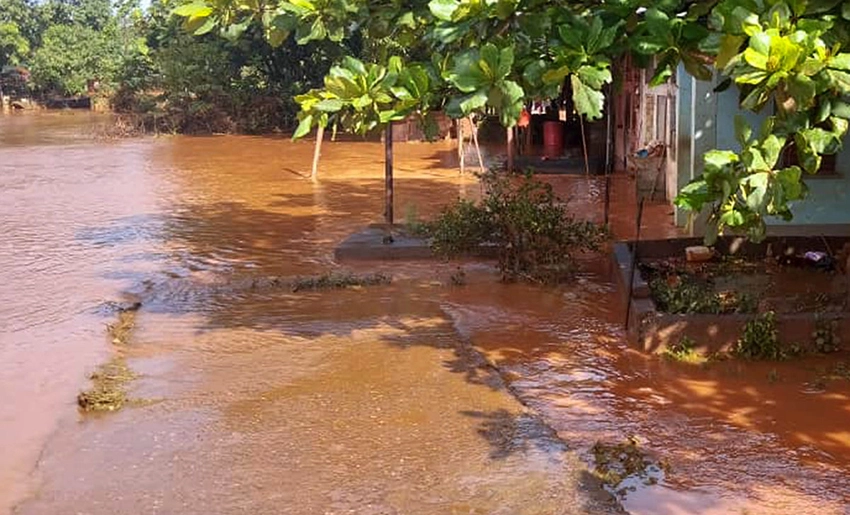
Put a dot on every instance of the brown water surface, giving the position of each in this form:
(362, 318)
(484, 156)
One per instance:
(261, 400)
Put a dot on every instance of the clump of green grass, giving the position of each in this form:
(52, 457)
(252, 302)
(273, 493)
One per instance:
(685, 352)
(840, 370)
(108, 391)
(773, 376)
(337, 281)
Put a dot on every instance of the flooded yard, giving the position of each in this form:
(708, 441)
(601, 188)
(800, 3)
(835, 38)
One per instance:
(421, 396)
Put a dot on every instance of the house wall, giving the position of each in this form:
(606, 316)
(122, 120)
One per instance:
(697, 133)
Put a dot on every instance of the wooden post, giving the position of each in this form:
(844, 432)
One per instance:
(584, 147)
(607, 198)
(474, 129)
(510, 133)
(634, 263)
(460, 145)
(388, 174)
(320, 134)
(847, 281)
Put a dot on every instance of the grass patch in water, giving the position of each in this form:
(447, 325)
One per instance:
(108, 391)
(335, 281)
(685, 352)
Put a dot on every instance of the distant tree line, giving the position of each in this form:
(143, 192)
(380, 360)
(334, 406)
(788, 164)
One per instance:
(144, 64)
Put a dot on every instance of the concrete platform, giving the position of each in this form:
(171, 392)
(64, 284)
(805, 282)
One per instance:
(559, 165)
(373, 244)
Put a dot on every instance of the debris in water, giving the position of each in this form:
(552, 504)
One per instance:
(108, 392)
(119, 332)
(333, 281)
(458, 278)
(617, 462)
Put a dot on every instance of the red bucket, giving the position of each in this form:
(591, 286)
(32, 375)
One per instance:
(553, 138)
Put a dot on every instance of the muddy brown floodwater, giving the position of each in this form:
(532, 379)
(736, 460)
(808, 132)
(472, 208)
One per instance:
(379, 400)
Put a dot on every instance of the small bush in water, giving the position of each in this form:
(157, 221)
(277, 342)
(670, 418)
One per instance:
(526, 223)
(761, 339)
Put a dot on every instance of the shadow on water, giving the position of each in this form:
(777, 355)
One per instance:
(209, 246)
(738, 435)
(508, 433)
(210, 252)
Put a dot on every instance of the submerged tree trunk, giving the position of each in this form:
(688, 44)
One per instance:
(320, 134)
(511, 149)
(388, 174)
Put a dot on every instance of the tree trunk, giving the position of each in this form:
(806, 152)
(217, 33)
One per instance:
(510, 133)
(388, 174)
(320, 134)
(474, 129)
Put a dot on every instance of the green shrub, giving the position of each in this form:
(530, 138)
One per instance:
(760, 339)
(682, 292)
(524, 221)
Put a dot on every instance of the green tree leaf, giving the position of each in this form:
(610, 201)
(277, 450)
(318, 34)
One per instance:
(718, 159)
(589, 102)
(443, 9)
(303, 127)
(594, 77)
(743, 130)
(758, 183)
(694, 196)
(790, 180)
